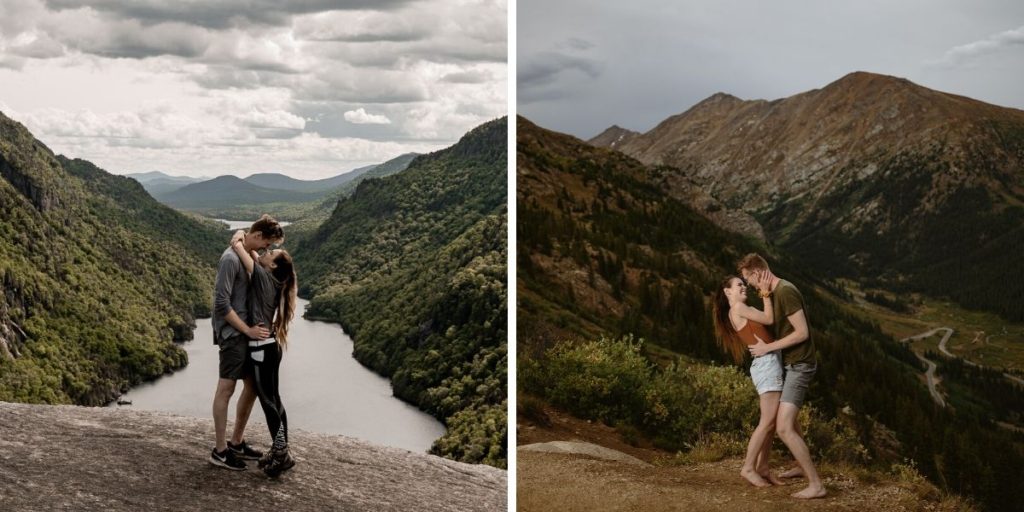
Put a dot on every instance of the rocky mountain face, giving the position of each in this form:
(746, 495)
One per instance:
(96, 277)
(870, 176)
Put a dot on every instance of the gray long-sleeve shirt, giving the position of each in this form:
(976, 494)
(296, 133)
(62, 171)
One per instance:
(230, 291)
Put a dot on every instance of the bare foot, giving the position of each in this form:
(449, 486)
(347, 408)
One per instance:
(754, 478)
(810, 492)
(795, 472)
(768, 475)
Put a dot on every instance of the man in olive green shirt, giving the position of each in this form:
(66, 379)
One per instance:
(793, 338)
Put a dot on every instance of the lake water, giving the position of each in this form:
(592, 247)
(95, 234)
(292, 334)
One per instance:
(324, 389)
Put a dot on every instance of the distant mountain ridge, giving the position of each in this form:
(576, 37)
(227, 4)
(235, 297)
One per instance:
(870, 176)
(224, 190)
(228, 196)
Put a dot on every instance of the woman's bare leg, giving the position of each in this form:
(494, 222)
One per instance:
(765, 430)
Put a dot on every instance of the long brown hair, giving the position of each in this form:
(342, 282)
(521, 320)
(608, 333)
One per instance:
(725, 334)
(284, 274)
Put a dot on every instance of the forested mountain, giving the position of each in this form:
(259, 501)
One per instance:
(869, 177)
(605, 250)
(413, 265)
(97, 277)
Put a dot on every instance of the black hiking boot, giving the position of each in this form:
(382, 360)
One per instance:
(280, 461)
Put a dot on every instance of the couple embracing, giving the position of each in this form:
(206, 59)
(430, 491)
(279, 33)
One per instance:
(253, 303)
(784, 362)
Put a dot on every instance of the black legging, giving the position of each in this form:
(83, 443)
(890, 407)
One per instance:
(265, 377)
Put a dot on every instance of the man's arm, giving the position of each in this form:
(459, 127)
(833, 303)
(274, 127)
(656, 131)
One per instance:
(799, 335)
(256, 332)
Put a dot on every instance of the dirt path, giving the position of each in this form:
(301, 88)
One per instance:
(550, 481)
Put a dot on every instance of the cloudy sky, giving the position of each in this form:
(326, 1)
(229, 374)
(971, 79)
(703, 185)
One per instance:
(584, 65)
(311, 88)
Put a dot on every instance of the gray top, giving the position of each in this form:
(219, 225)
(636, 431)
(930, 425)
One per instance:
(263, 297)
(231, 291)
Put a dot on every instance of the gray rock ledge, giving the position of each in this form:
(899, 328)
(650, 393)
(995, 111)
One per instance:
(119, 459)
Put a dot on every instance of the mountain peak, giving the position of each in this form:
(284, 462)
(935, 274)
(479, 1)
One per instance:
(612, 137)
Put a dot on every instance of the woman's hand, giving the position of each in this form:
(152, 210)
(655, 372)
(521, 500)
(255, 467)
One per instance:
(257, 332)
(760, 348)
(237, 237)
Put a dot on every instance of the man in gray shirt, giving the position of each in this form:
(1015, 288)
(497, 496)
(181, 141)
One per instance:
(232, 333)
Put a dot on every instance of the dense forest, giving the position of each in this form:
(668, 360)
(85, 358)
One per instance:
(97, 277)
(413, 265)
(604, 254)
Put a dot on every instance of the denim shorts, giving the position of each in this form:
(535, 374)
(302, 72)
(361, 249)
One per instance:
(798, 378)
(766, 372)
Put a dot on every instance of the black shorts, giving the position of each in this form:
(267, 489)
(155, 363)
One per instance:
(233, 355)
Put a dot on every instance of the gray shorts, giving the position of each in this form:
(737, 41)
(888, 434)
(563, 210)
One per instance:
(798, 378)
(766, 372)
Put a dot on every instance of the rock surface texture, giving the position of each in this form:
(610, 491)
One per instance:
(113, 459)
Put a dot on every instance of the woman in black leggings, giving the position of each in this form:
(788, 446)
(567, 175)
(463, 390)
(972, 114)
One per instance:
(272, 295)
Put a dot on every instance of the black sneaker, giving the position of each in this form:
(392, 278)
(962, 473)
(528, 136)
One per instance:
(226, 460)
(244, 451)
(280, 462)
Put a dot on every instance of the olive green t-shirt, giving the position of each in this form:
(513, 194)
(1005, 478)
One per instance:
(786, 300)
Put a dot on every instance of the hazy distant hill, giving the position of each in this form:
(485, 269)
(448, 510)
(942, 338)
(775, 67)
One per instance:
(224, 191)
(156, 182)
(281, 182)
(97, 278)
(308, 202)
(413, 265)
(870, 176)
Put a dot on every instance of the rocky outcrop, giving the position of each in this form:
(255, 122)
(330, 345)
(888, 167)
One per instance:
(113, 459)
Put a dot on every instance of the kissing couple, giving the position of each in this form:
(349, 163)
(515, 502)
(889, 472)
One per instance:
(253, 303)
(784, 361)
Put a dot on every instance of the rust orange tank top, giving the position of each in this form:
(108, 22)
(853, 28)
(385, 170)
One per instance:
(750, 329)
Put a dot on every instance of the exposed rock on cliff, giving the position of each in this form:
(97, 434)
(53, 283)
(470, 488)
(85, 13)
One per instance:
(80, 458)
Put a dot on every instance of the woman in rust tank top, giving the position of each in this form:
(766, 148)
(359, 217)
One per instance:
(738, 326)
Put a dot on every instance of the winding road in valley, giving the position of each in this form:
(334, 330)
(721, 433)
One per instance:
(930, 374)
(933, 380)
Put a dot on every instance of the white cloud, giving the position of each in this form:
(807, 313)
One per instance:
(220, 86)
(359, 116)
(965, 53)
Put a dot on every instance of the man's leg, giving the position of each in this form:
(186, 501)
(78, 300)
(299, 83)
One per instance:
(225, 388)
(242, 409)
(786, 428)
